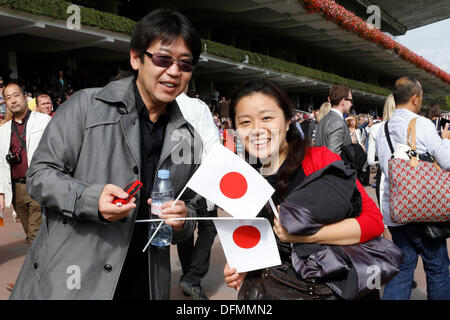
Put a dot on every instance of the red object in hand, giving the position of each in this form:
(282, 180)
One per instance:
(132, 190)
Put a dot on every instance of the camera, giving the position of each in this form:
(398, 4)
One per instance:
(13, 158)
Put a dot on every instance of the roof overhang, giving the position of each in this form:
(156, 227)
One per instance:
(313, 34)
(211, 66)
(58, 37)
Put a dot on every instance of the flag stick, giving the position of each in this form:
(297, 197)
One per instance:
(159, 226)
(274, 209)
(201, 218)
(154, 234)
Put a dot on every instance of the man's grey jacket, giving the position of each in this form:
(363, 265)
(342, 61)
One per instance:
(332, 132)
(91, 141)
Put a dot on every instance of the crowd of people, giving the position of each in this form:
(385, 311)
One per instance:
(62, 172)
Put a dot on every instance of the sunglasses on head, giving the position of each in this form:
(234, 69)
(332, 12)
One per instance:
(165, 61)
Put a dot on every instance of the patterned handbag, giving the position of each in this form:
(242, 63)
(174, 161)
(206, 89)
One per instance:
(419, 191)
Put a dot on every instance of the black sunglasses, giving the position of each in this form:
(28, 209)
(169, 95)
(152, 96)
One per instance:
(349, 99)
(165, 61)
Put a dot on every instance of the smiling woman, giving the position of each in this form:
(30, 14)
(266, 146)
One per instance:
(343, 214)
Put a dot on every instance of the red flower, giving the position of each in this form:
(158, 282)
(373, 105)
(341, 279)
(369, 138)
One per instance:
(349, 21)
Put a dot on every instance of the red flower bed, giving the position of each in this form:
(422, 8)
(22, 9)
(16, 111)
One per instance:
(351, 22)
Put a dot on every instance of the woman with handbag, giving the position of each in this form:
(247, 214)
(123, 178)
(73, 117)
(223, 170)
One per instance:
(260, 112)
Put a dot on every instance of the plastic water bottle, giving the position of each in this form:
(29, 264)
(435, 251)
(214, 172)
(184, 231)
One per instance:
(161, 193)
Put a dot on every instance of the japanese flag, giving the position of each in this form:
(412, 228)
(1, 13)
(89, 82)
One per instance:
(248, 244)
(231, 183)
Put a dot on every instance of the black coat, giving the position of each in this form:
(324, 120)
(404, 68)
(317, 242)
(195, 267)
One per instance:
(345, 269)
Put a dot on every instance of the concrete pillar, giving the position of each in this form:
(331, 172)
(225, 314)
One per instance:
(12, 65)
(111, 6)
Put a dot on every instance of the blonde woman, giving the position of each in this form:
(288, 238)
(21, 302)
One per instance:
(355, 134)
(388, 112)
(323, 111)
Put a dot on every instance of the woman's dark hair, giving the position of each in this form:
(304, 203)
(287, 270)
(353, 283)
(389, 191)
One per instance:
(296, 145)
(166, 25)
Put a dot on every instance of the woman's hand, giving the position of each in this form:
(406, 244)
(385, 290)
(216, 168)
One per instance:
(281, 232)
(286, 237)
(232, 278)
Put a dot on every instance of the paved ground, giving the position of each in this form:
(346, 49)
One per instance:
(13, 249)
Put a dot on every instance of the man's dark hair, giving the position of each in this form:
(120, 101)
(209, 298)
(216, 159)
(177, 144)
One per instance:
(404, 89)
(165, 25)
(337, 93)
(7, 85)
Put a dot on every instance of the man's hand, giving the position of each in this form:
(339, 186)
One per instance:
(2, 202)
(179, 210)
(445, 132)
(109, 210)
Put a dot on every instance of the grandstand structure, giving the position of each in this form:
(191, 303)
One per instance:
(304, 45)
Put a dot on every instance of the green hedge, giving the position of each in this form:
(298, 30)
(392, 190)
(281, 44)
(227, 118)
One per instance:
(443, 100)
(268, 62)
(57, 9)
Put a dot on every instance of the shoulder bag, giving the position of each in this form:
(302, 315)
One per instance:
(419, 190)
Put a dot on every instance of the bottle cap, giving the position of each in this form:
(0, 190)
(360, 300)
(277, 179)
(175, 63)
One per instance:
(163, 174)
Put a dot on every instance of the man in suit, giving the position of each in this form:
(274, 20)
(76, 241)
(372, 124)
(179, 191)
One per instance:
(332, 131)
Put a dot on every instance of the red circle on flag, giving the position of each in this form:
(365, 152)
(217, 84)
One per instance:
(246, 237)
(233, 185)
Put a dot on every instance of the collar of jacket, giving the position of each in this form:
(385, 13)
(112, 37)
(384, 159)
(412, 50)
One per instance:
(121, 92)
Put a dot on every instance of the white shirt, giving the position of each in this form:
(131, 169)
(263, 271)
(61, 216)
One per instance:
(197, 113)
(371, 149)
(427, 140)
(338, 112)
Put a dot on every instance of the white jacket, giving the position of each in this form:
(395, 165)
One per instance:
(197, 113)
(35, 128)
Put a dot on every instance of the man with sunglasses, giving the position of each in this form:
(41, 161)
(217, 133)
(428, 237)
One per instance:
(332, 131)
(100, 141)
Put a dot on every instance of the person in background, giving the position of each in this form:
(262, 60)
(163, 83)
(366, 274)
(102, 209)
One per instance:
(20, 138)
(411, 237)
(2, 100)
(434, 113)
(44, 104)
(224, 109)
(22, 134)
(372, 157)
(229, 139)
(323, 111)
(355, 134)
(195, 257)
(332, 131)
